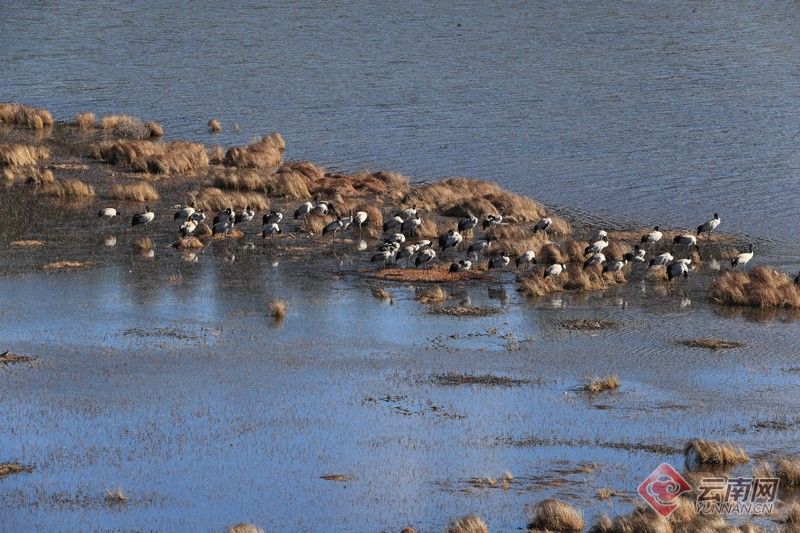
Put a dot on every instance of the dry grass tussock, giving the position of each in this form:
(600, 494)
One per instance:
(431, 296)
(214, 126)
(6, 469)
(84, 121)
(460, 196)
(7, 358)
(115, 497)
(20, 155)
(712, 344)
(598, 385)
(566, 252)
(467, 524)
(283, 183)
(641, 520)
(188, 243)
(29, 174)
(135, 192)
(762, 287)
(277, 310)
(574, 279)
(711, 453)
(374, 224)
(216, 155)
(383, 185)
(791, 515)
(438, 274)
(66, 265)
(266, 152)
(787, 469)
(214, 199)
(604, 493)
(379, 293)
(128, 127)
(26, 243)
(144, 244)
(313, 224)
(515, 238)
(556, 515)
(244, 528)
(337, 477)
(25, 116)
(502, 482)
(68, 188)
(175, 157)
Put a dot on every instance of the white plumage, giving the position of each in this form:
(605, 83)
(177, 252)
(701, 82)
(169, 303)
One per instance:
(652, 237)
(661, 260)
(554, 270)
(526, 258)
(425, 257)
(709, 226)
(743, 258)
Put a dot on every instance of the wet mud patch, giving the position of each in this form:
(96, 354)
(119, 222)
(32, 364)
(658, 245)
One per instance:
(564, 475)
(712, 344)
(337, 477)
(454, 380)
(7, 469)
(466, 311)
(7, 358)
(406, 406)
(171, 333)
(538, 442)
(422, 275)
(589, 325)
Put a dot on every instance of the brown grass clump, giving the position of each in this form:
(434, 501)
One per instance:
(550, 254)
(19, 155)
(431, 296)
(214, 199)
(6, 469)
(467, 524)
(244, 528)
(144, 244)
(135, 192)
(154, 129)
(175, 157)
(188, 243)
(573, 279)
(707, 452)
(175, 279)
(216, 155)
(465, 310)
(598, 385)
(604, 493)
(712, 344)
(84, 121)
(337, 477)
(266, 152)
(115, 497)
(641, 520)
(277, 310)
(283, 183)
(27, 243)
(214, 126)
(556, 515)
(65, 265)
(408, 529)
(374, 224)
(589, 325)
(452, 379)
(389, 186)
(381, 294)
(762, 287)
(615, 250)
(124, 126)
(25, 116)
(438, 274)
(574, 250)
(459, 196)
(787, 470)
(514, 238)
(68, 188)
(8, 358)
(791, 514)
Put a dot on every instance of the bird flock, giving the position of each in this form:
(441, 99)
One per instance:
(402, 227)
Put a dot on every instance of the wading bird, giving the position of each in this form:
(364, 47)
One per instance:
(543, 225)
(597, 246)
(661, 260)
(478, 247)
(614, 266)
(244, 217)
(500, 262)
(526, 258)
(596, 259)
(460, 266)
(333, 227)
(107, 213)
(424, 257)
(678, 268)
(492, 220)
(685, 240)
(273, 217)
(451, 239)
(466, 224)
(743, 258)
(271, 229)
(554, 270)
(709, 226)
(411, 225)
(143, 218)
(224, 216)
(652, 237)
(188, 227)
(637, 254)
(184, 212)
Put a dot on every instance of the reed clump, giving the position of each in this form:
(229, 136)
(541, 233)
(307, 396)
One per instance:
(574, 279)
(66, 265)
(25, 116)
(432, 296)
(266, 152)
(175, 157)
(188, 243)
(712, 344)
(639, 521)
(381, 186)
(467, 524)
(437, 274)
(313, 224)
(27, 243)
(68, 188)
(283, 183)
(761, 287)
(787, 469)
(115, 497)
(154, 129)
(214, 126)
(144, 244)
(598, 385)
(277, 310)
(244, 528)
(515, 238)
(84, 121)
(21, 155)
(135, 192)
(128, 127)
(6, 469)
(556, 515)
(214, 199)
(711, 453)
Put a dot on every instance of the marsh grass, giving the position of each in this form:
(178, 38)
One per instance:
(641, 520)
(154, 129)
(25, 116)
(21, 155)
(604, 493)
(701, 452)
(598, 385)
(214, 199)
(141, 192)
(574, 279)
(381, 294)
(7, 469)
(266, 152)
(188, 243)
(791, 514)
(144, 244)
(762, 287)
(84, 121)
(437, 274)
(174, 157)
(27, 243)
(115, 497)
(66, 265)
(712, 344)
(175, 279)
(465, 311)
(502, 482)
(337, 477)
(128, 127)
(244, 528)
(432, 296)
(556, 515)
(68, 188)
(7, 358)
(452, 379)
(277, 310)
(589, 325)
(787, 469)
(214, 126)
(467, 524)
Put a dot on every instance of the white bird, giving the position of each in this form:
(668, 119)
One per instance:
(411, 225)
(271, 229)
(424, 257)
(600, 235)
(273, 217)
(460, 266)
(184, 213)
(478, 247)
(303, 210)
(393, 223)
(554, 270)
(526, 258)
(678, 268)
(661, 260)
(347, 221)
(389, 245)
(406, 252)
(323, 207)
(198, 216)
(500, 262)
(596, 259)
(143, 218)
(492, 220)
(333, 227)
(188, 227)
(709, 226)
(743, 258)
(685, 240)
(424, 243)
(107, 213)
(359, 218)
(652, 237)
(396, 237)
(543, 225)
(450, 240)
(637, 254)
(244, 217)
(614, 266)
(408, 213)
(466, 224)
(597, 246)
(384, 256)
(222, 226)
(224, 216)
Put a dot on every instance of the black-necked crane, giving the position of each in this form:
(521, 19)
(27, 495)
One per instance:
(500, 262)
(526, 258)
(743, 258)
(198, 216)
(407, 213)
(323, 207)
(614, 266)
(303, 210)
(271, 228)
(460, 266)
(406, 252)
(411, 225)
(466, 224)
(597, 258)
(141, 219)
(685, 240)
(244, 217)
(451, 239)
(492, 220)
(554, 270)
(678, 268)
(709, 225)
(224, 216)
(273, 217)
(108, 213)
(188, 227)
(478, 247)
(424, 257)
(652, 237)
(359, 219)
(543, 225)
(222, 226)
(597, 246)
(183, 213)
(393, 223)
(661, 260)
(599, 235)
(333, 227)
(396, 237)
(637, 254)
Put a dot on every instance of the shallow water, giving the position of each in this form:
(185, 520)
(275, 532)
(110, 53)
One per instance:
(650, 111)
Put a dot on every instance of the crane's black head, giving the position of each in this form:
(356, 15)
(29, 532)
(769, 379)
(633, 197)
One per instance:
(716, 216)
(655, 228)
